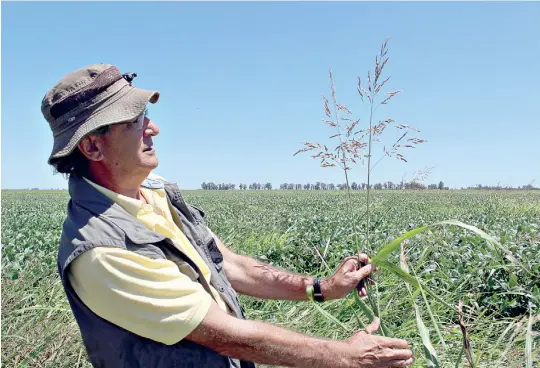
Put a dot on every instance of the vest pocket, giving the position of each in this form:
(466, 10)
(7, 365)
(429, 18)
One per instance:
(215, 254)
(197, 213)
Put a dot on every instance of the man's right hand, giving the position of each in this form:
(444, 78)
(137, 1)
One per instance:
(377, 351)
(265, 343)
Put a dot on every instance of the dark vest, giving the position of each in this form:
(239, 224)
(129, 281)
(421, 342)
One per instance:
(93, 220)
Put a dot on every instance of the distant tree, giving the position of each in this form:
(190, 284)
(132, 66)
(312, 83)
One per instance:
(416, 185)
(441, 185)
(363, 186)
(268, 186)
(354, 186)
(433, 186)
(378, 186)
(332, 186)
(390, 185)
(203, 185)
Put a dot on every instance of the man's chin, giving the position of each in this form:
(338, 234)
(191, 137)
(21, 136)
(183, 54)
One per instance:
(150, 163)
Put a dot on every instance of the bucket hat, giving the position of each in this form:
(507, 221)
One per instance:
(87, 99)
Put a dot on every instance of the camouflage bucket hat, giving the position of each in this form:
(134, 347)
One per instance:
(90, 98)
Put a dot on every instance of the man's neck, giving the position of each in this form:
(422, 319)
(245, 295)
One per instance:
(127, 185)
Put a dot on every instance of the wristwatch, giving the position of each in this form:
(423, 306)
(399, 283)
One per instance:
(317, 293)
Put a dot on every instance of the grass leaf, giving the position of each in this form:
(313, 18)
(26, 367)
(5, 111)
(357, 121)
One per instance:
(528, 343)
(403, 275)
(429, 351)
(394, 245)
(325, 313)
(431, 315)
(391, 247)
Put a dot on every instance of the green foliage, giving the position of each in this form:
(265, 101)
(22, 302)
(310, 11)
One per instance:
(307, 232)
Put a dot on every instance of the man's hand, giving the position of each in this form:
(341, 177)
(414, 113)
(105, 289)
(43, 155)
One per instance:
(251, 277)
(376, 351)
(264, 343)
(347, 277)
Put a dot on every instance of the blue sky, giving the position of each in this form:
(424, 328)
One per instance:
(242, 83)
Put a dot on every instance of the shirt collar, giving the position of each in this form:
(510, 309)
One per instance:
(132, 205)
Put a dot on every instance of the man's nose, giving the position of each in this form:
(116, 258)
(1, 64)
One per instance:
(152, 128)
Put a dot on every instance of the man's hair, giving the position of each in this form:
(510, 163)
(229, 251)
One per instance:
(76, 164)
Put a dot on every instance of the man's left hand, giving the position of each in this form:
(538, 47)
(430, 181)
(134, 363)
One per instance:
(347, 277)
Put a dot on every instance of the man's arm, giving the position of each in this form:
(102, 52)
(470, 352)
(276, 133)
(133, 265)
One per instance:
(251, 277)
(264, 343)
(153, 299)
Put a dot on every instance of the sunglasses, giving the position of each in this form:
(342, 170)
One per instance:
(139, 121)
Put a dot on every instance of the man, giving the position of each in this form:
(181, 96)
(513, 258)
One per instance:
(149, 284)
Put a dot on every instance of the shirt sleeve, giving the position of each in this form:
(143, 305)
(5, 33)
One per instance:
(148, 297)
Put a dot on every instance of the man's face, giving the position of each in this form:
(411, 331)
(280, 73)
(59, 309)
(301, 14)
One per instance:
(128, 149)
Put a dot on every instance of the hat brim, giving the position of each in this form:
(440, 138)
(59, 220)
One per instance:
(127, 108)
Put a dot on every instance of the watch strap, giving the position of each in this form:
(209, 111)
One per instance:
(317, 293)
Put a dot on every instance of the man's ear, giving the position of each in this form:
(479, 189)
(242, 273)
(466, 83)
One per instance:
(91, 147)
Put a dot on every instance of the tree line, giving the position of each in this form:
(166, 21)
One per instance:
(505, 187)
(389, 185)
(324, 186)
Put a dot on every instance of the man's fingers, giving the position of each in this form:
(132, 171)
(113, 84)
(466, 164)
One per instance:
(350, 264)
(373, 326)
(363, 258)
(364, 272)
(363, 292)
(389, 342)
(398, 354)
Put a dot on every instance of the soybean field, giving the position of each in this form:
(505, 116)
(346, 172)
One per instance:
(468, 301)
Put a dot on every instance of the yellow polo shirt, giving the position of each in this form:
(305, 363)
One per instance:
(149, 297)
